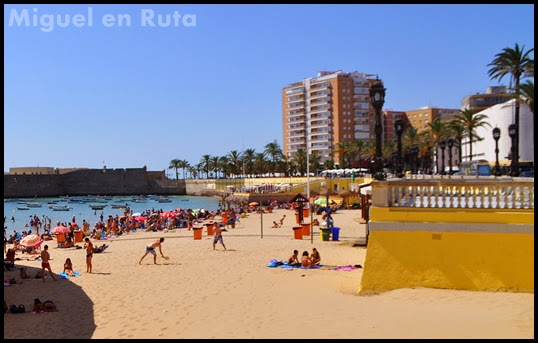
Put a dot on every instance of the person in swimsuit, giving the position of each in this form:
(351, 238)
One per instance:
(218, 237)
(150, 249)
(68, 267)
(294, 259)
(89, 254)
(45, 256)
(306, 262)
(315, 257)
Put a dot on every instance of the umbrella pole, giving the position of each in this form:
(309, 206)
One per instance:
(261, 216)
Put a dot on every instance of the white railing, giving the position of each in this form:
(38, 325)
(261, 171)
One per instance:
(437, 192)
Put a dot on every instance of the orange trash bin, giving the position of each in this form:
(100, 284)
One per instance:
(210, 227)
(197, 231)
(60, 238)
(78, 236)
(298, 232)
(306, 229)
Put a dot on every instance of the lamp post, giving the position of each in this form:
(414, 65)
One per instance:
(414, 154)
(442, 144)
(450, 144)
(399, 127)
(512, 132)
(377, 98)
(496, 136)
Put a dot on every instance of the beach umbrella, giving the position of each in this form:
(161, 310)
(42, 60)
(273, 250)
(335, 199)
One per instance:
(253, 203)
(30, 240)
(321, 201)
(60, 229)
(140, 218)
(137, 214)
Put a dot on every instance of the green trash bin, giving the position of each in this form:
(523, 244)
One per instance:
(325, 233)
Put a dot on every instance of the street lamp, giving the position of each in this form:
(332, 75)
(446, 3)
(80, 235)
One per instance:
(450, 144)
(414, 155)
(377, 98)
(399, 127)
(442, 144)
(496, 136)
(512, 132)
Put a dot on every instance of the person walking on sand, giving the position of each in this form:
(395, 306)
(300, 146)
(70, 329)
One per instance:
(89, 254)
(218, 237)
(150, 249)
(45, 256)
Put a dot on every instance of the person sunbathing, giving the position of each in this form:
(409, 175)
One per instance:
(68, 267)
(24, 275)
(100, 249)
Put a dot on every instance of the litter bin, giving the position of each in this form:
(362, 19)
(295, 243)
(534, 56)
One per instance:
(306, 212)
(60, 237)
(297, 219)
(335, 232)
(78, 236)
(298, 232)
(197, 231)
(306, 229)
(325, 233)
(210, 227)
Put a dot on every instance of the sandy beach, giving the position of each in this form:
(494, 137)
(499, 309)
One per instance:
(204, 293)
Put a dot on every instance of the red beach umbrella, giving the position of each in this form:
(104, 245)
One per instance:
(60, 229)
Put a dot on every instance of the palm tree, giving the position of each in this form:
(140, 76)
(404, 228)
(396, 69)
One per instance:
(273, 150)
(260, 163)
(471, 121)
(410, 139)
(214, 165)
(299, 158)
(248, 159)
(224, 166)
(457, 130)
(235, 161)
(343, 149)
(183, 164)
(175, 164)
(437, 134)
(314, 161)
(517, 63)
(526, 93)
(205, 164)
(358, 146)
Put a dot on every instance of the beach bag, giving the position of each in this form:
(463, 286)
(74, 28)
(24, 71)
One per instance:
(21, 309)
(13, 309)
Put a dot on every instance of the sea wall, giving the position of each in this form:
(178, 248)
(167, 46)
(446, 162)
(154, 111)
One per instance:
(135, 181)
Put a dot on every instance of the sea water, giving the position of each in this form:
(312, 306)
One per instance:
(82, 210)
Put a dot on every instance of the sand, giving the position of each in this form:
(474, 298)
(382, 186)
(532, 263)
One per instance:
(202, 293)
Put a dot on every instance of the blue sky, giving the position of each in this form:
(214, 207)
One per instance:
(134, 95)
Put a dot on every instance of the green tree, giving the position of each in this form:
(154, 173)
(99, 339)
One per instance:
(275, 152)
(183, 164)
(471, 121)
(236, 165)
(175, 164)
(437, 134)
(457, 130)
(205, 164)
(248, 159)
(314, 160)
(299, 158)
(517, 63)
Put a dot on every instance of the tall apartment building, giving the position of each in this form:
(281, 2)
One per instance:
(323, 111)
(419, 119)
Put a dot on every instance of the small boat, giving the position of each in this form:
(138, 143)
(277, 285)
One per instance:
(164, 200)
(60, 208)
(33, 204)
(23, 207)
(97, 206)
(119, 205)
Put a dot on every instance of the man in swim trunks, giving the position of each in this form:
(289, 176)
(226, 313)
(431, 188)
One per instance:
(45, 256)
(150, 249)
(218, 237)
(89, 254)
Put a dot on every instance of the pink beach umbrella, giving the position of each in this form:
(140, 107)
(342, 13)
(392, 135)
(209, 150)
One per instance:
(30, 240)
(60, 229)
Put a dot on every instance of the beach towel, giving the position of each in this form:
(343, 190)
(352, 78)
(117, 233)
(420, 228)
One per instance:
(282, 264)
(64, 275)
